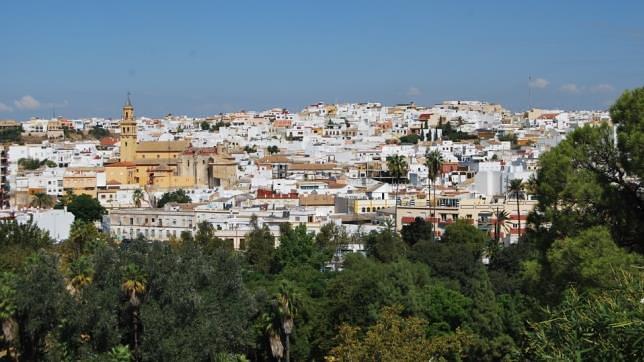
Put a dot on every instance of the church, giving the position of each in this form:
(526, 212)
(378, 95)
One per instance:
(167, 164)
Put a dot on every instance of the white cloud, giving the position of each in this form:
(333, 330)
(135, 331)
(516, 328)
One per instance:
(27, 102)
(413, 92)
(5, 108)
(570, 88)
(538, 83)
(602, 88)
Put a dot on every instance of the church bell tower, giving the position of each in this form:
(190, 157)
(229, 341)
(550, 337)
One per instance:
(128, 132)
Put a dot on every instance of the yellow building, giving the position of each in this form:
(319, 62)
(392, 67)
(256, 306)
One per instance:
(123, 173)
(82, 180)
(161, 150)
(128, 133)
(168, 164)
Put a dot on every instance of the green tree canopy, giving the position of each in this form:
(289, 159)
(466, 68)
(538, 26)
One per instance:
(178, 196)
(260, 248)
(86, 208)
(385, 245)
(418, 230)
(601, 325)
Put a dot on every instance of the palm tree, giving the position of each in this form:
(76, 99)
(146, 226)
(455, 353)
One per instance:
(501, 222)
(397, 166)
(287, 308)
(42, 201)
(515, 189)
(433, 162)
(273, 333)
(81, 273)
(137, 196)
(134, 286)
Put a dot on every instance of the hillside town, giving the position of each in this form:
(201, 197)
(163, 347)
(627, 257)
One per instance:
(328, 163)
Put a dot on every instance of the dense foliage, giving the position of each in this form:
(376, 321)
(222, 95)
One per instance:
(99, 132)
(84, 207)
(11, 134)
(34, 163)
(571, 289)
(178, 196)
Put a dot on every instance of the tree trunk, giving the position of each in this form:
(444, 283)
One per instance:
(135, 329)
(519, 217)
(396, 209)
(429, 204)
(435, 216)
(288, 348)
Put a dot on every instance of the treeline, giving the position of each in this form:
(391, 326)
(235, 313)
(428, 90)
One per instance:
(571, 289)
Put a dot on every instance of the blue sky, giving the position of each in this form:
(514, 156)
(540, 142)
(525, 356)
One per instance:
(206, 57)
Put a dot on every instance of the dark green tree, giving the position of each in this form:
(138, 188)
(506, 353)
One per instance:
(40, 301)
(260, 248)
(206, 238)
(178, 196)
(86, 208)
(18, 242)
(297, 247)
(411, 138)
(386, 246)
(99, 132)
(416, 231)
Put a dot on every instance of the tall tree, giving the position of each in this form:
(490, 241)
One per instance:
(287, 301)
(397, 166)
(260, 247)
(434, 163)
(515, 190)
(134, 284)
(501, 218)
(40, 302)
